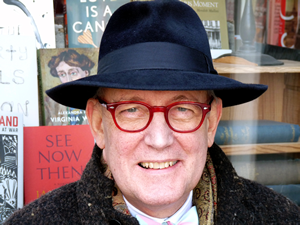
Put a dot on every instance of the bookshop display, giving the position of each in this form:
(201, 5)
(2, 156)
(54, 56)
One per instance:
(54, 156)
(18, 77)
(30, 18)
(58, 66)
(86, 21)
(256, 136)
(11, 163)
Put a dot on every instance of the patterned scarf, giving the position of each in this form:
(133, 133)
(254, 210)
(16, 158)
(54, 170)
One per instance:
(204, 194)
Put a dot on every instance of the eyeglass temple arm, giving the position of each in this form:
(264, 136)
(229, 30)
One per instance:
(103, 103)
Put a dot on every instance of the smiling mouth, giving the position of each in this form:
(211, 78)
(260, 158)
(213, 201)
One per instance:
(157, 165)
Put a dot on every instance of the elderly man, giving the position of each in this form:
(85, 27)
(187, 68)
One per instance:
(153, 109)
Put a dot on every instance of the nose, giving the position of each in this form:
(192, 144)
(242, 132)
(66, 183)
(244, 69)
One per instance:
(69, 78)
(158, 134)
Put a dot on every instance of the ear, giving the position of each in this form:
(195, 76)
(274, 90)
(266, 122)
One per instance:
(213, 120)
(94, 114)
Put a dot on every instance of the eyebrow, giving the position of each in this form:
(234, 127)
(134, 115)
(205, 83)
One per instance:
(174, 99)
(184, 98)
(73, 68)
(134, 98)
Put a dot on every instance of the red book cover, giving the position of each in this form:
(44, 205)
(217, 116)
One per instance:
(54, 156)
(273, 22)
(288, 23)
(260, 13)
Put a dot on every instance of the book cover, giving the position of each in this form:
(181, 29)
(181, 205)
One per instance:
(230, 10)
(274, 7)
(230, 132)
(54, 156)
(87, 20)
(18, 77)
(288, 23)
(27, 17)
(260, 13)
(58, 66)
(11, 163)
(297, 41)
(230, 23)
(213, 16)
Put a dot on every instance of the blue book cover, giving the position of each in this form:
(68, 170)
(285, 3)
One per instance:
(230, 132)
(87, 20)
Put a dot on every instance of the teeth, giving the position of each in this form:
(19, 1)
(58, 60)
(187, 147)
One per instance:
(150, 165)
(156, 165)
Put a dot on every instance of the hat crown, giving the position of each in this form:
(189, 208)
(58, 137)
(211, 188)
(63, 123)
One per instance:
(154, 21)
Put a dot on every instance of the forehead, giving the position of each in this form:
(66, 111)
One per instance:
(115, 95)
(65, 66)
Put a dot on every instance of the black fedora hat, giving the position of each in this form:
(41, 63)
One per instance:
(155, 45)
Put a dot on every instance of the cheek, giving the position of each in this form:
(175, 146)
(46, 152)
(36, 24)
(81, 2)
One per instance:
(118, 144)
(62, 79)
(193, 143)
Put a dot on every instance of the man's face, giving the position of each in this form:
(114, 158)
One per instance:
(153, 190)
(68, 73)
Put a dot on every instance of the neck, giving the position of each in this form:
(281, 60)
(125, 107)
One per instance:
(159, 215)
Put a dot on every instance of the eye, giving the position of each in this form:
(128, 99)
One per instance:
(61, 74)
(73, 73)
(132, 110)
(181, 109)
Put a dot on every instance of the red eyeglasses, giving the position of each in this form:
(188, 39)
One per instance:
(135, 116)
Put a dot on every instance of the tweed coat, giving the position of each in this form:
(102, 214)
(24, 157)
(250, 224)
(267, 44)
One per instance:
(89, 200)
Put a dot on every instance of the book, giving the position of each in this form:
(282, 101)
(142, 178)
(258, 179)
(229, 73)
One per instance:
(87, 20)
(273, 21)
(230, 10)
(267, 171)
(11, 163)
(213, 16)
(65, 23)
(288, 23)
(230, 132)
(54, 156)
(18, 77)
(230, 23)
(297, 41)
(260, 13)
(58, 66)
(31, 18)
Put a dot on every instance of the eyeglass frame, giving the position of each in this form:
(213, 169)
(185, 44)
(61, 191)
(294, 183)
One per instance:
(111, 107)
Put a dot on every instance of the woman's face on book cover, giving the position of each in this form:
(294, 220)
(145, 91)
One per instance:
(68, 73)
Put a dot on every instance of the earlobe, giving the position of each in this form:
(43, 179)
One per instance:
(94, 114)
(213, 120)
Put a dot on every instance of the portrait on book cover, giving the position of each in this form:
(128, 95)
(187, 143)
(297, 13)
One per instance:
(59, 66)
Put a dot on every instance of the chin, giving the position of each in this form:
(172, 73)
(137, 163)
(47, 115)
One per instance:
(164, 197)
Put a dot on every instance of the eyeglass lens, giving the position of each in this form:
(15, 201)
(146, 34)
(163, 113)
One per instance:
(182, 117)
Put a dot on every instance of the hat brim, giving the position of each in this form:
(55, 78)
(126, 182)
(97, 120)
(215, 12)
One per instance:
(76, 93)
